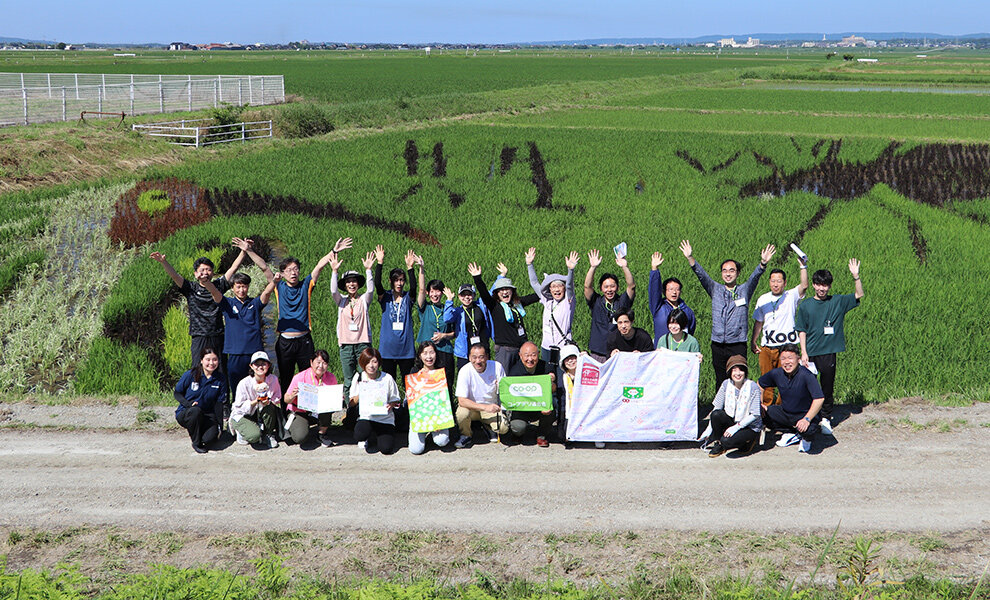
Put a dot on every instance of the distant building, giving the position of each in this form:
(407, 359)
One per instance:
(751, 42)
(852, 40)
(727, 42)
(174, 46)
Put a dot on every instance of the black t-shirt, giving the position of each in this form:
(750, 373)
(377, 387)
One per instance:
(205, 316)
(519, 369)
(603, 319)
(640, 341)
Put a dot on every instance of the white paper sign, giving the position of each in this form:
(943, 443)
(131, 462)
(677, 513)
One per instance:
(372, 400)
(319, 399)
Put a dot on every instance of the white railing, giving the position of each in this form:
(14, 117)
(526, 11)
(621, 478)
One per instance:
(42, 97)
(188, 132)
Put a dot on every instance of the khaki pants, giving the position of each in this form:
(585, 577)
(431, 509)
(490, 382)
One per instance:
(769, 359)
(464, 417)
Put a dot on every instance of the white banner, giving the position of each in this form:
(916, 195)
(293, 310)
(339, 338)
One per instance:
(319, 399)
(635, 397)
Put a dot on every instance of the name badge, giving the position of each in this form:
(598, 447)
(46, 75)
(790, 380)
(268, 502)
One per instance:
(740, 302)
(234, 308)
(398, 325)
(475, 340)
(194, 386)
(522, 331)
(829, 330)
(352, 327)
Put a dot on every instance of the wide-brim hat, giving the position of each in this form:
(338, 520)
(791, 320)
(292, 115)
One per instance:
(501, 283)
(547, 280)
(736, 361)
(568, 351)
(353, 275)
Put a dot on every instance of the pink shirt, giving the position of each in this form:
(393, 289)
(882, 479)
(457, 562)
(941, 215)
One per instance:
(306, 376)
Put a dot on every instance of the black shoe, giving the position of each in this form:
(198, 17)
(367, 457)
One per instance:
(199, 449)
(326, 441)
(717, 450)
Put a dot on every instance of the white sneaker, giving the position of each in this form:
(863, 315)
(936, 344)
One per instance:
(599, 445)
(492, 436)
(362, 445)
(272, 442)
(826, 426)
(805, 446)
(788, 440)
(240, 438)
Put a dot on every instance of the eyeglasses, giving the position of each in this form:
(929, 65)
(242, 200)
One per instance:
(729, 270)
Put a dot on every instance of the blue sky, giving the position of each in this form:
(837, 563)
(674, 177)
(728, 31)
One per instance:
(249, 21)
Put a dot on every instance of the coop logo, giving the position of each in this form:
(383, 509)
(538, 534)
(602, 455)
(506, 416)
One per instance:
(631, 393)
(779, 338)
(526, 390)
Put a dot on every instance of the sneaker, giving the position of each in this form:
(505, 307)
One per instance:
(805, 446)
(240, 438)
(599, 445)
(492, 436)
(826, 426)
(326, 441)
(199, 449)
(272, 442)
(465, 441)
(788, 440)
(542, 442)
(717, 450)
(362, 445)
(704, 443)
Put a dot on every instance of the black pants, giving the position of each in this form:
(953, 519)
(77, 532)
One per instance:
(825, 364)
(292, 355)
(720, 422)
(202, 425)
(460, 362)
(384, 433)
(202, 342)
(520, 419)
(778, 419)
(720, 356)
(404, 366)
(445, 361)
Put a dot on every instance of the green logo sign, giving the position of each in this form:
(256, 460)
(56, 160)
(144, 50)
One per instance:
(671, 431)
(633, 393)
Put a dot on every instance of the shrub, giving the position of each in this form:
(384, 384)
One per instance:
(304, 120)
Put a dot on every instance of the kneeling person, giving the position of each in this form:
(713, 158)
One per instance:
(735, 419)
(256, 402)
(530, 364)
(477, 395)
(801, 399)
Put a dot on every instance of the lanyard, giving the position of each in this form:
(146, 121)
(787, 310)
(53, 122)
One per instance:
(675, 348)
(436, 315)
(396, 308)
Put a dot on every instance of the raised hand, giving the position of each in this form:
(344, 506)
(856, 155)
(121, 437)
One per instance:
(158, 256)
(380, 254)
(572, 259)
(420, 261)
(686, 248)
(410, 259)
(474, 270)
(854, 267)
(334, 261)
(241, 244)
(369, 260)
(656, 260)
(502, 269)
(622, 262)
(342, 244)
(276, 277)
(767, 253)
(594, 258)
(530, 256)
(449, 293)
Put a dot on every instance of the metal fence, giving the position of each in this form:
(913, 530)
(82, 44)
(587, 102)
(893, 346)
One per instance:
(41, 97)
(196, 132)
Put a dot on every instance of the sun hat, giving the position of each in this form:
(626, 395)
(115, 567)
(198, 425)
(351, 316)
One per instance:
(353, 275)
(502, 282)
(568, 351)
(736, 361)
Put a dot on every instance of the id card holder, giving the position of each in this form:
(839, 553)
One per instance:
(522, 332)
(352, 327)
(829, 330)
(475, 340)
(398, 325)
(740, 302)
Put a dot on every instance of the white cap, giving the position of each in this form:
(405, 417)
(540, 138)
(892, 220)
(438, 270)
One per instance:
(568, 351)
(260, 355)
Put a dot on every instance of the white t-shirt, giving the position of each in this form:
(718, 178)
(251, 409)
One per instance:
(777, 314)
(479, 387)
(374, 396)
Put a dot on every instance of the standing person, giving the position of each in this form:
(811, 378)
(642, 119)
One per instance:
(507, 311)
(294, 347)
(626, 337)
(773, 321)
(735, 420)
(477, 397)
(426, 361)
(530, 364)
(353, 322)
(205, 317)
(298, 423)
(432, 326)
(376, 395)
(677, 339)
(820, 323)
(665, 297)
(801, 400)
(605, 306)
(469, 321)
(556, 293)
(201, 392)
(729, 302)
(396, 337)
(256, 402)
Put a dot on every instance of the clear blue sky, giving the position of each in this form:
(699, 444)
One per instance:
(412, 21)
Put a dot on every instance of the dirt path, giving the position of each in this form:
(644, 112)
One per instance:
(898, 467)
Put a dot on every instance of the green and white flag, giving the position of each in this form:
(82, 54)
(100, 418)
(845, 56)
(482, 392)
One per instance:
(531, 392)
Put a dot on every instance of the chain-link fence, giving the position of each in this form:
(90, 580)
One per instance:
(41, 97)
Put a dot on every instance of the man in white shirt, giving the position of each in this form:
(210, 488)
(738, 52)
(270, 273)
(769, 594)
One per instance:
(477, 396)
(774, 322)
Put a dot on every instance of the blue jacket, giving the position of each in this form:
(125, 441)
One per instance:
(455, 315)
(730, 313)
(661, 309)
(209, 392)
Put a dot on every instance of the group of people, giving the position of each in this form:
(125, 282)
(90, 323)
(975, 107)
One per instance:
(795, 338)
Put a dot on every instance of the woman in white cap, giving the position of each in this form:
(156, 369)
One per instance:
(507, 311)
(256, 404)
(735, 420)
